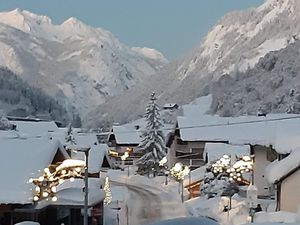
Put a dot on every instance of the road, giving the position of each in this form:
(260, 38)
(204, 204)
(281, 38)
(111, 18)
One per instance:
(147, 204)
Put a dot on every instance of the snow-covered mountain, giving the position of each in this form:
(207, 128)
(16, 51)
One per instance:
(79, 65)
(234, 45)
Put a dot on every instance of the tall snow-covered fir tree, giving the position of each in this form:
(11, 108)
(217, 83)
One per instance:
(153, 143)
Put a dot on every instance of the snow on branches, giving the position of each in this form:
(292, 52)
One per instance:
(5, 124)
(153, 143)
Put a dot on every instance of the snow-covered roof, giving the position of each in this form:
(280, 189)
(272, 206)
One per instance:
(215, 151)
(35, 129)
(20, 160)
(96, 153)
(276, 170)
(131, 133)
(170, 105)
(4, 134)
(128, 134)
(282, 134)
(71, 193)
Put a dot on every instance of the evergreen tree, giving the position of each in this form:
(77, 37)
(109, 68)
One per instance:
(69, 136)
(153, 143)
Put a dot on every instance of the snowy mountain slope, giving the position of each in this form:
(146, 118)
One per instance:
(273, 85)
(234, 44)
(19, 99)
(79, 65)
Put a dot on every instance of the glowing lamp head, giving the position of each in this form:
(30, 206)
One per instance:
(35, 198)
(178, 167)
(54, 199)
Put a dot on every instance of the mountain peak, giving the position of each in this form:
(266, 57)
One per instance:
(73, 21)
(23, 20)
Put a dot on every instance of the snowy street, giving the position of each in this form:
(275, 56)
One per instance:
(145, 203)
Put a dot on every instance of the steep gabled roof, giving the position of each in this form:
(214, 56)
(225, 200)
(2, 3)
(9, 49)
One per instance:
(21, 159)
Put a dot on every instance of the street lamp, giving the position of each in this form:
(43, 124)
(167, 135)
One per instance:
(86, 180)
(179, 171)
(123, 158)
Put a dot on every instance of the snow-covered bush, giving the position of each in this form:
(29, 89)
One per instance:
(5, 124)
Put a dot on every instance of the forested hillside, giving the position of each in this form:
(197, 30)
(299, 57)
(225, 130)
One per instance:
(17, 98)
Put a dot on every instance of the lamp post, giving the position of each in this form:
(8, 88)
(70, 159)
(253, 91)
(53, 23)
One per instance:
(179, 171)
(86, 181)
(123, 158)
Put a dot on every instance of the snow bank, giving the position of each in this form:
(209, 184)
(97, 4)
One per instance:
(275, 217)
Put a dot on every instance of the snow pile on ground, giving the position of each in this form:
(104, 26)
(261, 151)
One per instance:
(239, 214)
(277, 217)
(187, 221)
(214, 208)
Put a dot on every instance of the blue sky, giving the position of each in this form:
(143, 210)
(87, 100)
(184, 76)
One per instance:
(173, 27)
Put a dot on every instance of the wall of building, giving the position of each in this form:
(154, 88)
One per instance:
(186, 147)
(290, 193)
(260, 163)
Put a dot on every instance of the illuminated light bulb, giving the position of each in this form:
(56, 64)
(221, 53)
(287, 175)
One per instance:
(46, 170)
(30, 180)
(63, 172)
(72, 179)
(35, 198)
(238, 174)
(54, 198)
(246, 158)
(37, 189)
(51, 178)
(226, 156)
(45, 194)
(231, 174)
(78, 169)
(41, 178)
(231, 179)
(228, 170)
(53, 189)
(239, 179)
(60, 181)
(247, 170)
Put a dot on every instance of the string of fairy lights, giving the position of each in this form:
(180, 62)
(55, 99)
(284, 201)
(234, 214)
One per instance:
(236, 171)
(54, 175)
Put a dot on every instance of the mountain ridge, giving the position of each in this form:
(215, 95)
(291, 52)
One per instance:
(77, 64)
(233, 46)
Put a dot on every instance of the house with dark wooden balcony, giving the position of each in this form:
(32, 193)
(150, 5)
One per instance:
(24, 156)
(269, 137)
